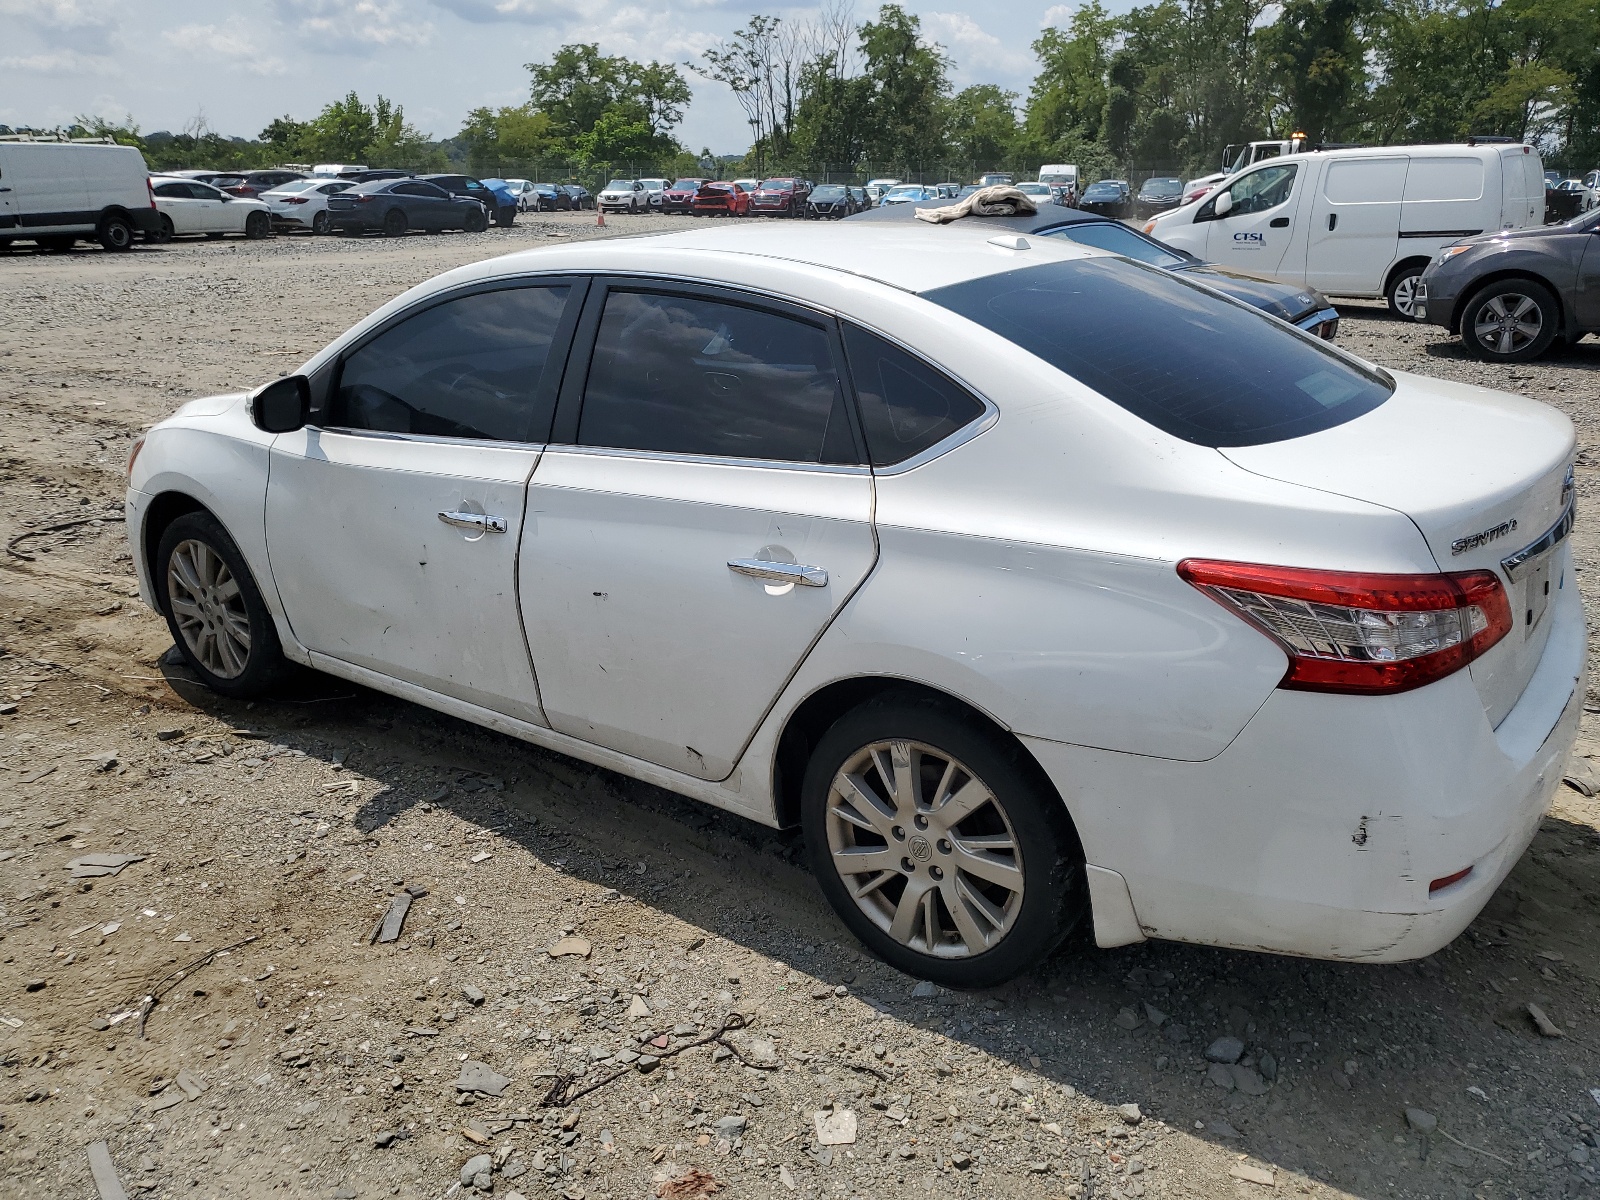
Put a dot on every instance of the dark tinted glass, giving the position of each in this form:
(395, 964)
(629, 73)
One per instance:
(1119, 239)
(684, 375)
(906, 406)
(778, 185)
(173, 191)
(466, 368)
(1201, 367)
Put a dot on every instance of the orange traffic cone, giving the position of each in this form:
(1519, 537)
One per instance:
(600, 219)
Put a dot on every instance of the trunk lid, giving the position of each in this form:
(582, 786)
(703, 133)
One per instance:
(1485, 477)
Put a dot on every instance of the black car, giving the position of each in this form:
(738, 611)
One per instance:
(250, 184)
(1158, 196)
(374, 174)
(394, 206)
(582, 197)
(832, 200)
(679, 198)
(1514, 294)
(551, 197)
(1108, 198)
(1302, 306)
(862, 200)
(469, 188)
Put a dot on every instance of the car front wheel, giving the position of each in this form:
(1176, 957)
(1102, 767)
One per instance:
(1513, 320)
(939, 843)
(1402, 293)
(214, 609)
(394, 223)
(257, 226)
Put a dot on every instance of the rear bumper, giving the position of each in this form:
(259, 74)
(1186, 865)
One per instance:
(1319, 829)
(358, 221)
(145, 220)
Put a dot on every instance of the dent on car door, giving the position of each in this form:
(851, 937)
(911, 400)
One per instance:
(393, 519)
(709, 514)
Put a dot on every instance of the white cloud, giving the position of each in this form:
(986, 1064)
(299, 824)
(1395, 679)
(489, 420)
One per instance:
(972, 46)
(526, 12)
(355, 26)
(85, 24)
(231, 42)
(60, 62)
(1057, 17)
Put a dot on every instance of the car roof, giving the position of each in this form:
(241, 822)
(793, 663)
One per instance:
(899, 257)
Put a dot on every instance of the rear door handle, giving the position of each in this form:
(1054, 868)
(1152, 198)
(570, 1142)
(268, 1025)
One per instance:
(778, 572)
(1280, 222)
(479, 521)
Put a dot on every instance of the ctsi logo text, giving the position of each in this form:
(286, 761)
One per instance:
(1250, 239)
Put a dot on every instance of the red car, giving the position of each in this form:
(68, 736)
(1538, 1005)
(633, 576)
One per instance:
(785, 197)
(721, 200)
(679, 198)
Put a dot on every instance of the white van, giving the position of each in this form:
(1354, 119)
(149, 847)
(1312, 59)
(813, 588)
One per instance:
(1063, 173)
(1361, 222)
(54, 193)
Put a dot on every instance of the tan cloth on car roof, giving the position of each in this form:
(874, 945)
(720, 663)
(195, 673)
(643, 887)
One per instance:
(1001, 200)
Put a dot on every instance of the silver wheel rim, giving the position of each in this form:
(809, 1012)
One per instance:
(1507, 323)
(1405, 296)
(925, 849)
(209, 609)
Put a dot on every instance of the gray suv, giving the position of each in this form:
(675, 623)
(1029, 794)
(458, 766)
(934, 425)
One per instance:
(1512, 295)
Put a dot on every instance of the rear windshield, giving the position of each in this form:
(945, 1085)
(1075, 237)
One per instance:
(1200, 366)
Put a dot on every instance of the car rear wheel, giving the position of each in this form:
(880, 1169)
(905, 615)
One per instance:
(1402, 293)
(938, 843)
(1513, 320)
(394, 223)
(319, 223)
(115, 233)
(257, 226)
(214, 609)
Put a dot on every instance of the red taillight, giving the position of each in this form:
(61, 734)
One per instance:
(151, 189)
(1360, 633)
(297, 200)
(1438, 885)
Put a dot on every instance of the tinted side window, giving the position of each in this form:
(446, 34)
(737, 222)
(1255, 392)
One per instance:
(683, 375)
(1119, 239)
(1220, 374)
(173, 191)
(906, 405)
(466, 368)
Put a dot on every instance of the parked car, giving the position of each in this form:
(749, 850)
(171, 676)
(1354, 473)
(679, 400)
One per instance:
(679, 198)
(303, 203)
(204, 176)
(375, 174)
(251, 184)
(1107, 198)
(948, 191)
(623, 195)
(747, 185)
(1592, 180)
(526, 194)
(53, 193)
(779, 198)
(721, 200)
(1301, 306)
(1060, 175)
(907, 193)
(1361, 222)
(187, 206)
(1513, 294)
(581, 196)
(394, 206)
(337, 170)
(831, 200)
(862, 199)
(497, 199)
(549, 197)
(1029, 623)
(877, 187)
(654, 190)
(996, 177)
(1158, 195)
(1040, 193)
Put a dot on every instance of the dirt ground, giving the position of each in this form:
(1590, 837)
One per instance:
(300, 1060)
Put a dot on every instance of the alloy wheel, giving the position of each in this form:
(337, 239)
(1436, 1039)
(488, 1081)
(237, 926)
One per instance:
(925, 849)
(209, 609)
(1506, 323)
(1405, 296)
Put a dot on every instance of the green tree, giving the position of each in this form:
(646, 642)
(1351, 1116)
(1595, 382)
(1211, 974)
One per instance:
(592, 101)
(1069, 91)
(982, 125)
(1317, 56)
(909, 82)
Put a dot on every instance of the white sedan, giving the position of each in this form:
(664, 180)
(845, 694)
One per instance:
(1026, 621)
(303, 203)
(188, 206)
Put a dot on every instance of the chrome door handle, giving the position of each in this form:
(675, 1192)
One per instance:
(480, 521)
(779, 572)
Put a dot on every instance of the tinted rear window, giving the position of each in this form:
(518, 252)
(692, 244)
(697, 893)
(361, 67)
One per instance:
(1201, 367)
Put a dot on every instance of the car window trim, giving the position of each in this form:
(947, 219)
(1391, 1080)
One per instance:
(325, 381)
(569, 407)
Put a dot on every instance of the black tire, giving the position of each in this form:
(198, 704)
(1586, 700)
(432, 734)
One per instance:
(257, 226)
(167, 232)
(394, 223)
(1053, 896)
(1402, 292)
(319, 224)
(115, 232)
(506, 217)
(476, 222)
(263, 662)
(1513, 320)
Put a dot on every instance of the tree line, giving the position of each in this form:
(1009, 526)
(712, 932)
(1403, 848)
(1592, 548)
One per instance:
(1164, 86)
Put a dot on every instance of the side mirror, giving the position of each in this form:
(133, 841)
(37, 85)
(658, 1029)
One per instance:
(1224, 204)
(282, 406)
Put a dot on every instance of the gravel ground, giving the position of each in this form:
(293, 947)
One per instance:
(575, 929)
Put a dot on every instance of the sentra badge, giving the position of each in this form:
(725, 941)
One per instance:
(1484, 537)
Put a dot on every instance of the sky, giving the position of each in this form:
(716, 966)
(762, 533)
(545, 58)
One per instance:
(240, 63)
